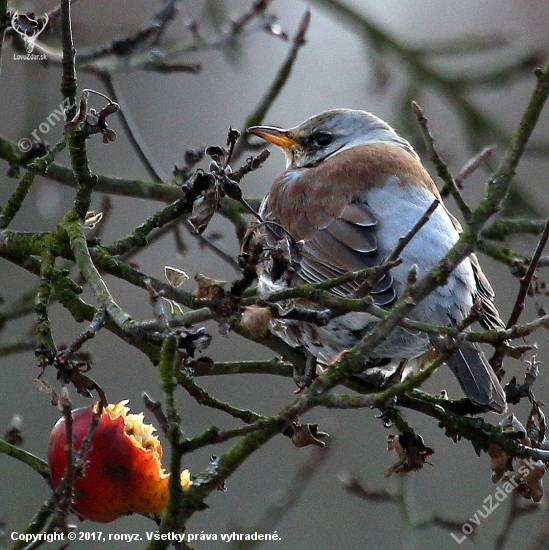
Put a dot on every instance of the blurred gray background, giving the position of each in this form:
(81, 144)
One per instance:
(175, 112)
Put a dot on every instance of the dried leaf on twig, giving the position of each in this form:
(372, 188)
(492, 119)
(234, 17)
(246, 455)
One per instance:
(530, 484)
(500, 463)
(176, 277)
(536, 427)
(303, 435)
(203, 210)
(411, 450)
(211, 289)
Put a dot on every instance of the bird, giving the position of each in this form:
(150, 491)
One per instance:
(351, 188)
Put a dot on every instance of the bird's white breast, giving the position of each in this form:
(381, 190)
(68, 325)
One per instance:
(397, 208)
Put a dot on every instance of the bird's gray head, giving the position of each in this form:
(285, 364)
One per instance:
(327, 133)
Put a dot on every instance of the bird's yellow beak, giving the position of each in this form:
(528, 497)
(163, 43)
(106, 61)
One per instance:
(276, 136)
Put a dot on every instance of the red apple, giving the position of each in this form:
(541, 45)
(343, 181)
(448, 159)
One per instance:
(123, 472)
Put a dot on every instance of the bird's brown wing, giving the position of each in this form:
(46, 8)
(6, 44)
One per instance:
(334, 236)
(336, 232)
(346, 243)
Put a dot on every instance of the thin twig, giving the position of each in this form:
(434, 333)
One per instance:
(473, 164)
(37, 464)
(204, 398)
(520, 302)
(515, 511)
(440, 165)
(206, 241)
(364, 491)
(96, 324)
(105, 184)
(37, 525)
(503, 227)
(405, 240)
(104, 58)
(281, 77)
(527, 279)
(125, 46)
(156, 408)
(285, 503)
(132, 132)
(44, 337)
(304, 290)
(184, 320)
(273, 367)
(68, 80)
(541, 537)
(171, 520)
(65, 489)
(39, 165)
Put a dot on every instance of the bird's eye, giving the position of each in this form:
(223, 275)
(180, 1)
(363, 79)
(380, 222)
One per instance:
(323, 138)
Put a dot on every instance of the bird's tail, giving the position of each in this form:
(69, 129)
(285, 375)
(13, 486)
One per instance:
(477, 377)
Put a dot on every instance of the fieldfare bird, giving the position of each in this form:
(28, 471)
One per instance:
(352, 187)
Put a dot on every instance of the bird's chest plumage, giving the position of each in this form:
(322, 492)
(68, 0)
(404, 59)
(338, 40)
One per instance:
(348, 213)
